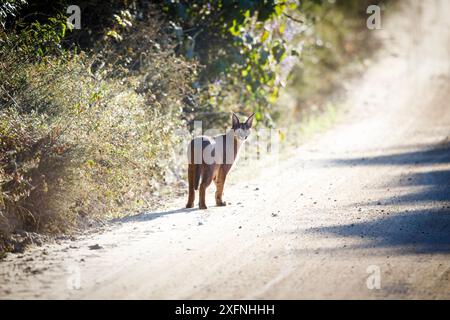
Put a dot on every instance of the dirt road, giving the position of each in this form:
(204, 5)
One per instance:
(361, 211)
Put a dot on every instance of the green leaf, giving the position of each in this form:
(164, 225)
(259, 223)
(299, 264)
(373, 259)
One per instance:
(234, 29)
(63, 30)
(265, 35)
(279, 52)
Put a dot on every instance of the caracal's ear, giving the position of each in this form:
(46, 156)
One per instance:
(249, 121)
(235, 121)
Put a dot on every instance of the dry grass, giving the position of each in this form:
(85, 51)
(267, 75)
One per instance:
(80, 143)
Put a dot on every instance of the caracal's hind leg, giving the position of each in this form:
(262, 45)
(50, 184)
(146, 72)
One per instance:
(207, 176)
(191, 181)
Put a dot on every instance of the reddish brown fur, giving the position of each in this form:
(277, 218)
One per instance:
(208, 173)
(216, 172)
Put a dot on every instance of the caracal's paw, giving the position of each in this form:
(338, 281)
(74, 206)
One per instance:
(189, 205)
(221, 203)
(202, 207)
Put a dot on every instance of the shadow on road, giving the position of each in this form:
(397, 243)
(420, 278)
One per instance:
(148, 216)
(435, 155)
(420, 231)
(408, 231)
(435, 187)
(430, 185)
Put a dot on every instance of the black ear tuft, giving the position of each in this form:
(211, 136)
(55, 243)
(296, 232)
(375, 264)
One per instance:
(249, 121)
(235, 121)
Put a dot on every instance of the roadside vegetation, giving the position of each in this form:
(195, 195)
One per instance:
(90, 117)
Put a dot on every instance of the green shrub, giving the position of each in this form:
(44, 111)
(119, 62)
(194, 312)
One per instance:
(86, 136)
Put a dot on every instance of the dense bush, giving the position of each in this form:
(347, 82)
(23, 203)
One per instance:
(84, 135)
(244, 45)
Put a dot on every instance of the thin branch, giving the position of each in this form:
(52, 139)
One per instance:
(292, 18)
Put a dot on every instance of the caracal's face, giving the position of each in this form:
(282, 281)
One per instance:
(242, 129)
(242, 133)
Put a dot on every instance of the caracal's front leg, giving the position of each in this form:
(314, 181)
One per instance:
(220, 184)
